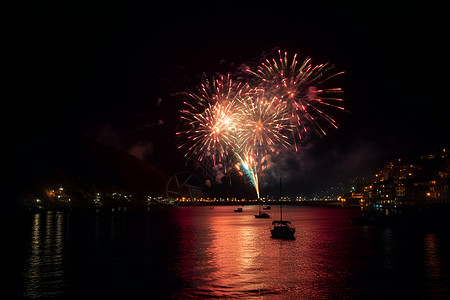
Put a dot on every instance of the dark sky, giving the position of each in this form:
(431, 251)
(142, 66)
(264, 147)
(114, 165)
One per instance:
(105, 71)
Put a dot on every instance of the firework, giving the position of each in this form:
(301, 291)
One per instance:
(262, 124)
(243, 123)
(299, 87)
(210, 119)
(250, 166)
(261, 130)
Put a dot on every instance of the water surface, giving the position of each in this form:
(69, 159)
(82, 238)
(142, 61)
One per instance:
(198, 252)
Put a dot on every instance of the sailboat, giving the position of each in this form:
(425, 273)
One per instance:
(282, 229)
(262, 215)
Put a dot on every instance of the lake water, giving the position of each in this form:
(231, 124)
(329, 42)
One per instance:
(198, 252)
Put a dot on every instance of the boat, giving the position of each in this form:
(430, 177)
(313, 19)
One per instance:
(262, 215)
(282, 229)
(267, 207)
(238, 210)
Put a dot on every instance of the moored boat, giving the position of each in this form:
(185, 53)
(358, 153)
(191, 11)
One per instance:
(262, 215)
(282, 229)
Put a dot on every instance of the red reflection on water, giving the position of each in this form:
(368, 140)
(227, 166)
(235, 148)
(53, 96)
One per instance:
(238, 246)
(433, 267)
(225, 254)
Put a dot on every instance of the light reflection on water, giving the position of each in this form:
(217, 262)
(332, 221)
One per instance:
(198, 252)
(225, 254)
(434, 270)
(45, 269)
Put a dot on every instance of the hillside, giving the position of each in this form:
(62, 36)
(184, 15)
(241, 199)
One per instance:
(79, 173)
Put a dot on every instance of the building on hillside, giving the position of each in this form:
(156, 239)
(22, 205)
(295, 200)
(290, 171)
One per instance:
(406, 182)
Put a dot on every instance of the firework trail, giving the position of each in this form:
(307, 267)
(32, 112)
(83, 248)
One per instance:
(250, 166)
(300, 89)
(261, 130)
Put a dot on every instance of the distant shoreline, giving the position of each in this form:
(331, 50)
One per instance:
(190, 204)
(336, 204)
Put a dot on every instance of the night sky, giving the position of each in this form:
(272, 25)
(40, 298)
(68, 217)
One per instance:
(112, 73)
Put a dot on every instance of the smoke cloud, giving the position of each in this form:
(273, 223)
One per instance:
(142, 150)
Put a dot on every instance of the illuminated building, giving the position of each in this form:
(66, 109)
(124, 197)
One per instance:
(58, 195)
(442, 193)
(419, 181)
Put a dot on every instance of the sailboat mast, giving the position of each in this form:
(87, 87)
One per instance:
(281, 205)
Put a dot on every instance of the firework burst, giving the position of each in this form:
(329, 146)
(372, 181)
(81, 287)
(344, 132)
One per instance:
(244, 123)
(210, 119)
(300, 89)
(262, 129)
(262, 126)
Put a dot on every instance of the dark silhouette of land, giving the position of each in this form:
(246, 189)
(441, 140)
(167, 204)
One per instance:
(74, 172)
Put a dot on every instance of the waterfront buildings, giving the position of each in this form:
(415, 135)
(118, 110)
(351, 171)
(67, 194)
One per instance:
(406, 182)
